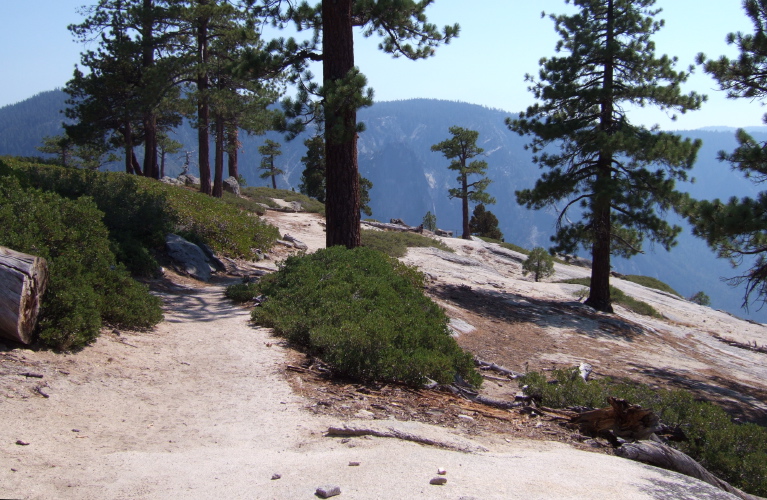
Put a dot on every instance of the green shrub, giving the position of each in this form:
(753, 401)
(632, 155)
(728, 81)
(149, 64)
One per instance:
(139, 212)
(396, 243)
(86, 287)
(649, 282)
(540, 263)
(618, 297)
(242, 292)
(365, 314)
(736, 453)
(266, 196)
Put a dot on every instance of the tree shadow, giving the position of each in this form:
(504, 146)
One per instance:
(184, 303)
(511, 308)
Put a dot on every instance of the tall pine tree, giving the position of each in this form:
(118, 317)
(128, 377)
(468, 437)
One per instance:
(737, 229)
(607, 173)
(461, 148)
(405, 31)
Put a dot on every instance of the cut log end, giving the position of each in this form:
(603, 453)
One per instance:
(23, 280)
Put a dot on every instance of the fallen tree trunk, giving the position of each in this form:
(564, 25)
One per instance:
(23, 279)
(665, 457)
(394, 227)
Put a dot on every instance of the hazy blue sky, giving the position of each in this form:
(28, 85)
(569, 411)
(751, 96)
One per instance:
(500, 41)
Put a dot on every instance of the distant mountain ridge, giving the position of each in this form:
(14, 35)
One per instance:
(409, 179)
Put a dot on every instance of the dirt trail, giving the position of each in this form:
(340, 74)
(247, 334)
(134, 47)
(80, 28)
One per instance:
(200, 408)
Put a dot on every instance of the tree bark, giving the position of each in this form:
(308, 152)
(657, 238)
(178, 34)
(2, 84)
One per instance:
(203, 106)
(342, 203)
(233, 144)
(465, 205)
(149, 118)
(218, 179)
(128, 136)
(599, 295)
(23, 279)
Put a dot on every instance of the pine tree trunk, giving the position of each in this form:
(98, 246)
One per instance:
(136, 164)
(233, 144)
(218, 180)
(203, 106)
(149, 118)
(465, 207)
(128, 136)
(599, 296)
(342, 203)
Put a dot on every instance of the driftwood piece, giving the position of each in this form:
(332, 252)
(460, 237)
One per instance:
(622, 419)
(665, 457)
(23, 279)
(485, 365)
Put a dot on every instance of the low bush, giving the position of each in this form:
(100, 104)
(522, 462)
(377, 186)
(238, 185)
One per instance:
(242, 292)
(396, 243)
(649, 282)
(618, 297)
(139, 212)
(87, 287)
(365, 315)
(266, 196)
(735, 452)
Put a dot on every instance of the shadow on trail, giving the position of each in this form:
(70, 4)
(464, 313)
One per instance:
(204, 304)
(513, 308)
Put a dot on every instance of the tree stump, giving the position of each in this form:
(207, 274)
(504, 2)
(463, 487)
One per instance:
(23, 279)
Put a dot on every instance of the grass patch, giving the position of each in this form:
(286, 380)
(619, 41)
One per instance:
(649, 282)
(396, 243)
(734, 452)
(364, 314)
(618, 297)
(266, 196)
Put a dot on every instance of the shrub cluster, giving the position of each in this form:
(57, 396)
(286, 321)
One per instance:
(364, 314)
(735, 452)
(241, 292)
(396, 243)
(86, 287)
(649, 282)
(139, 212)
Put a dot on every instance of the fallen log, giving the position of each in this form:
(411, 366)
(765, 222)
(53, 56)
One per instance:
(394, 227)
(622, 419)
(665, 457)
(23, 279)
(485, 365)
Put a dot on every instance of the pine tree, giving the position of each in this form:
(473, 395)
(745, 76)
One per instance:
(484, 223)
(405, 31)
(462, 148)
(737, 229)
(269, 151)
(615, 173)
(313, 176)
(539, 263)
(430, 221)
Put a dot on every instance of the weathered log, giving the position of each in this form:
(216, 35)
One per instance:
(665, 457)
(23, 279)
(623, 419)
(485, 365)
(394, 227)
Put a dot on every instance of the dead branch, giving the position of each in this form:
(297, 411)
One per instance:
(663, 456)
(485, 365)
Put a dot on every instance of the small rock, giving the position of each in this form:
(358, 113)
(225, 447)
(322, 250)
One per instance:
(466, 418)
(75, 430)
(21, 443)
(354, 464)
(438, 480)
(276, 476)
(366, 414)
(345, 440)
(441, 471)
(328, 491)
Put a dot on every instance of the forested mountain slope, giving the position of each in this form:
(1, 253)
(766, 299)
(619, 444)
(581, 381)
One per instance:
(409, 179)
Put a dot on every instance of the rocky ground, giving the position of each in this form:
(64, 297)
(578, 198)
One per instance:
(208, 405)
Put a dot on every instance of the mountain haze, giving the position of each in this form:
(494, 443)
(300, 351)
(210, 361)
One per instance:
(409, 179)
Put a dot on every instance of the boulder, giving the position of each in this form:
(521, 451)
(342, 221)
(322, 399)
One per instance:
(189, 180)
(231, 185)
(296, 243)
(190, 258)
(171, 181)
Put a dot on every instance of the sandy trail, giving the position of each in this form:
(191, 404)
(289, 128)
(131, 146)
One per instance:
(199, 408)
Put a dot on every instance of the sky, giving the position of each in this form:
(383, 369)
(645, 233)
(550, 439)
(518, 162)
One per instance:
(500, 42)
